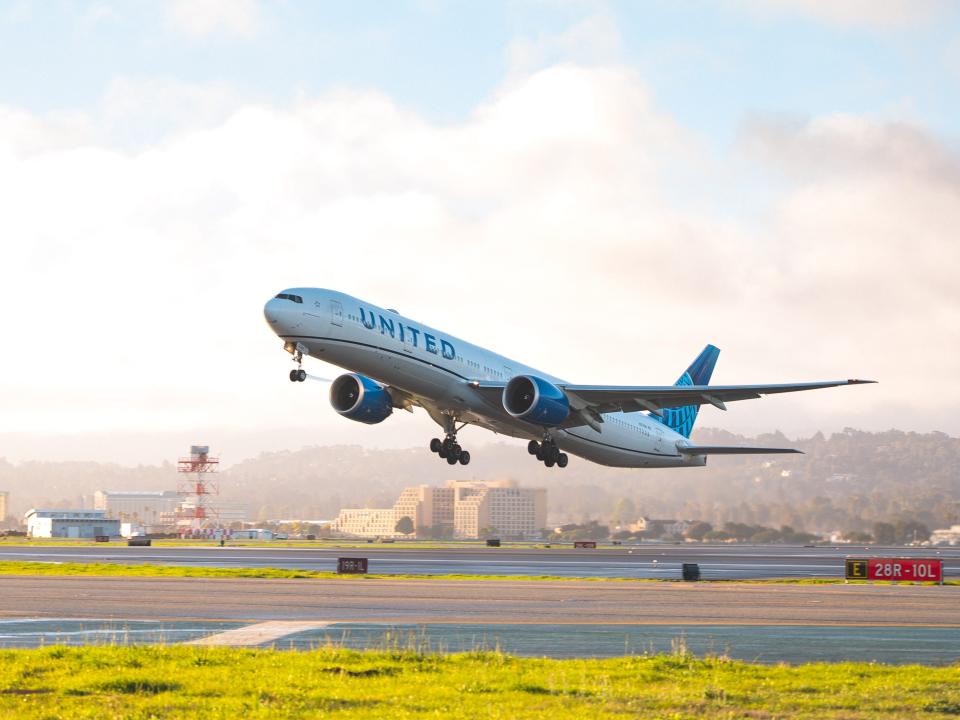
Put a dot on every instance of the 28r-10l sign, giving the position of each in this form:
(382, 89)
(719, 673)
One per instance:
(895, 569)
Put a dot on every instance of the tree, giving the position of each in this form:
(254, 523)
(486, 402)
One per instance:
(884, 533)
(698, 530)
(404, 525)
(624, 511)
(908, 531)
(716, 536)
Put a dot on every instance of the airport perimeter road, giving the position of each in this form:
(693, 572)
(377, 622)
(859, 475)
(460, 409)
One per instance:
(639, 561)
(469, 601)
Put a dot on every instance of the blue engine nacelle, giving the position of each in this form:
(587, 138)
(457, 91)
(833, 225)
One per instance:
(535, 400)
(360, 398)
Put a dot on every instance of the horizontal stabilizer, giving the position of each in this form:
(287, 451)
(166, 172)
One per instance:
(731, 450)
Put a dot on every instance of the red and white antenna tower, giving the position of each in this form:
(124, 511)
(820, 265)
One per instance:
(198, 480)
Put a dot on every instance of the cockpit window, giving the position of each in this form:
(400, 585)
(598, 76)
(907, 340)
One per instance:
(288, 296)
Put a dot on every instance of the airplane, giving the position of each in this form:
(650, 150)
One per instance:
(394, 362)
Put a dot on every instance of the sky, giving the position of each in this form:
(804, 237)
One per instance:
(597, 189)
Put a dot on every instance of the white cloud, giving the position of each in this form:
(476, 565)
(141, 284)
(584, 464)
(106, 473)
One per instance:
(200, 18)
(540, 225)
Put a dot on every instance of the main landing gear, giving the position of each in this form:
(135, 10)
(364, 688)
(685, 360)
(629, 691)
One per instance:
(298, 374)
(450, 450)
(548, 453)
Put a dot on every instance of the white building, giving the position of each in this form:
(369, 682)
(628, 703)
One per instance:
(70, 523)
(946, 536)
(141, 506)
(500, 507)
(367, 522)
(465, 509)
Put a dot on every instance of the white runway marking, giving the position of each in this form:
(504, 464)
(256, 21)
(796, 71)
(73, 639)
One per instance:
(253, 635)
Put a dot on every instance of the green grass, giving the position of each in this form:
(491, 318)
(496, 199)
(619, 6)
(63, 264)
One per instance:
(117, 570)
(187, 571)
(189, 682)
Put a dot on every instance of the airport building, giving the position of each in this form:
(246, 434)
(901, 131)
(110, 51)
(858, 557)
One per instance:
(461, 509)
(367, 523)
(500, 508)
(70, 523)
(139, 506)
(162, 510)
(4, 498)
(946, 536)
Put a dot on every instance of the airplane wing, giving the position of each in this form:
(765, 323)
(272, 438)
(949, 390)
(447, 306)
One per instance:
(731, 450)
(632, 399)
(587, 402)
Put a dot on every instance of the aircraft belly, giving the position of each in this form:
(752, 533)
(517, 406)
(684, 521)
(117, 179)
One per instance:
(612, 448)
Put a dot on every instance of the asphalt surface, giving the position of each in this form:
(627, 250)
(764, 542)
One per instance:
(469, 601)
(754, 643)
(751, 621)
(640, 561)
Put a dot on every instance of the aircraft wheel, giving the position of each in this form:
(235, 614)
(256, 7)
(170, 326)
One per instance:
(293, 375)
(301, 375)
(548, 461)
(435, 445)
(562, 460)
(539, 454)
(451, 460)
(532, 447)
(465, 458)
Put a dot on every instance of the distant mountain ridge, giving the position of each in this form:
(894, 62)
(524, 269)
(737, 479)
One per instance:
(847, 480)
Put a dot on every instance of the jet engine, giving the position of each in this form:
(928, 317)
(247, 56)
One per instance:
(359, 398)
(535, 400)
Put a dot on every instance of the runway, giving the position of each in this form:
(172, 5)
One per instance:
(466, 601)
(638, 561)
(768, 623)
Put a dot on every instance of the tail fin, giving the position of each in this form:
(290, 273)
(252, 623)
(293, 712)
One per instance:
(681, 419)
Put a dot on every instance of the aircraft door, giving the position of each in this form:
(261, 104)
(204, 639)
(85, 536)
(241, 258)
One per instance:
(336, 313)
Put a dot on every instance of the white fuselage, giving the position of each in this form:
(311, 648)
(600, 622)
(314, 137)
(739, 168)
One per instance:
(435, 368)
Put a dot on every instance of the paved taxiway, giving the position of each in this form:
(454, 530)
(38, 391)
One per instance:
(638, 561)
(756, 643)
(761, 622)
(468, 601)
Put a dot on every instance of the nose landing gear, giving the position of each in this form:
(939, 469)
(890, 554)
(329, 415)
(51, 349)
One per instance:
(548, 453)
(299, 374)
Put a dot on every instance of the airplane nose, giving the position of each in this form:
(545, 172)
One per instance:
(271, 312)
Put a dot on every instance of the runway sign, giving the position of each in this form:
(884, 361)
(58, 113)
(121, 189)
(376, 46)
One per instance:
(352, 565)
(895, 569)
(590, 544)
(691, 572)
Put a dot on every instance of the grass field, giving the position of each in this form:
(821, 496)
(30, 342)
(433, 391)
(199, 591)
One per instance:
(186, 571)
(188, 682)
(117, 570)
